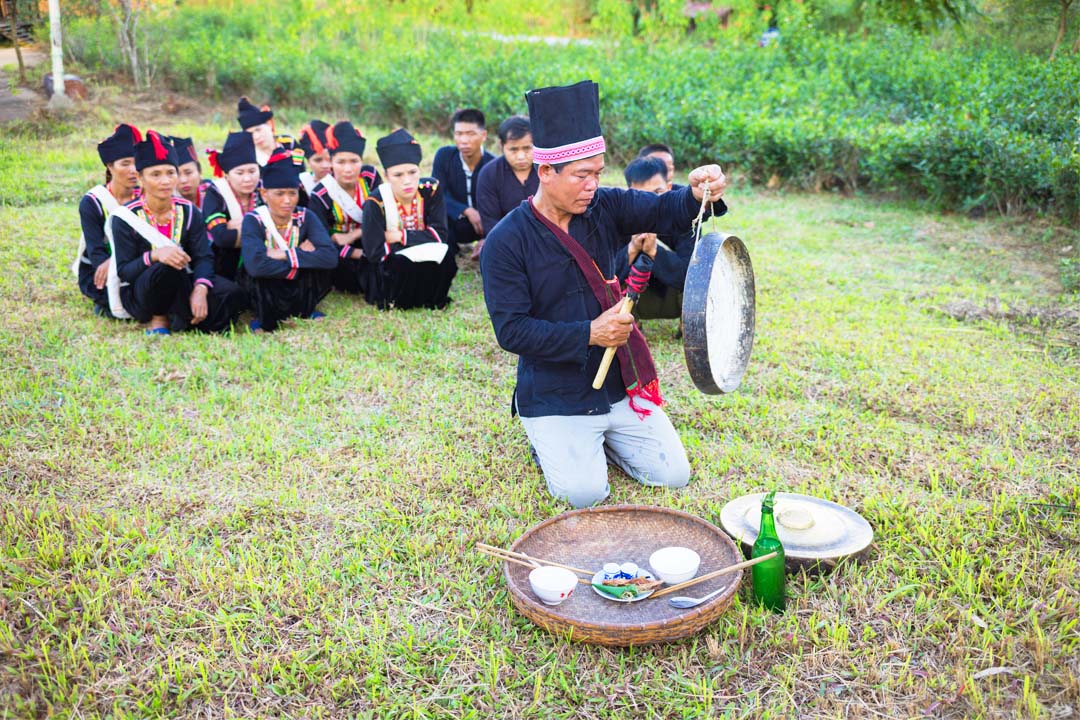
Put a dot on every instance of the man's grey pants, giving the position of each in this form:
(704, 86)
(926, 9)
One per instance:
(572, 451)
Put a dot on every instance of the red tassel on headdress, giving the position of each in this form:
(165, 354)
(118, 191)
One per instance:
(212, 155)
(331, 141)
(277, 157)
(160, 151)
(315, 144)
(135, 134)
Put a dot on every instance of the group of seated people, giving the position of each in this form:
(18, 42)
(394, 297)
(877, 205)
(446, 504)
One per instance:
(167, 248)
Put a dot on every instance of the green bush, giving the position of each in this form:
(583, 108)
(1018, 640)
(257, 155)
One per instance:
(974, 128)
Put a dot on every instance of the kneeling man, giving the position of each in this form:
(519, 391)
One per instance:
(550, 288)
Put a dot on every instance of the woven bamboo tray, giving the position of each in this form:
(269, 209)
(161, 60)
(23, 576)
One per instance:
(588, 538)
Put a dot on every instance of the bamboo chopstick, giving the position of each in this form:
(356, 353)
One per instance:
(523, 556)
(533, 563)
(710, 576)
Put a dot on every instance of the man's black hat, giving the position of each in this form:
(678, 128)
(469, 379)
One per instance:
(565, 123)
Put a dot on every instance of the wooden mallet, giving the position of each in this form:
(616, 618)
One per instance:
(635, 285)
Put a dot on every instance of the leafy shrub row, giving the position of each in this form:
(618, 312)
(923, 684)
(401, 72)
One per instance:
(984, 127)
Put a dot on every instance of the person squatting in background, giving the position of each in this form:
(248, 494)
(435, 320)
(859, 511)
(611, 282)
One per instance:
(338, 201)
(401, 223)
(162, 254)
(231, 195)
(457, 167)
(190, 186)
(91, 267)
(287, 251)
(508, 181)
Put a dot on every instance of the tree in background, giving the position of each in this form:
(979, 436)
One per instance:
(132, 38)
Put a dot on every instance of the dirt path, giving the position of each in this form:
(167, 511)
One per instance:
(20, 104)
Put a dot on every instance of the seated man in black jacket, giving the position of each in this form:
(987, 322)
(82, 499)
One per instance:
(457, 168)
(663, 297)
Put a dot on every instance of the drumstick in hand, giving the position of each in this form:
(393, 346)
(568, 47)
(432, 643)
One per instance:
(635, 285)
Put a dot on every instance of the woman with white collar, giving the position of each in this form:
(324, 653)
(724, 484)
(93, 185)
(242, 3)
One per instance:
(91, 267)
(259, 122)
(405, 232)
(338, 201)
(162, 256)
(230, 196)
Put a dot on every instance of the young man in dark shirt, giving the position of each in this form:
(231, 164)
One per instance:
(456, 167)
(661, 152)
(663, 297)
(511, 179)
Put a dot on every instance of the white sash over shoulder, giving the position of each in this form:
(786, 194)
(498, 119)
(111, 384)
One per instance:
(231, 203)
(424, 252)
(308, 181)
(148, 233)
(338, 195)
(108, 204)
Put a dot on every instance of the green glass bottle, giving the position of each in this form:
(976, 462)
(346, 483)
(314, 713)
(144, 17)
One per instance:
(769, 575)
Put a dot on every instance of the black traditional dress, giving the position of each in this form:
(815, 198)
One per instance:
(154, 288)
(395, 281)
(92, 219)
(294, 286)
(351, 273)
(225, 241)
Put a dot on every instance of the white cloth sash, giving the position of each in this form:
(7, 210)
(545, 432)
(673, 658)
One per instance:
(338, 195)
(231, 203)
(308, 181)
(151, 235)
(424, 252)
(108, 204)
(393, 219)
(271, 230)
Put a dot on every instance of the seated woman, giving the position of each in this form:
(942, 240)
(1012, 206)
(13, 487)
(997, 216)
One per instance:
(191, 186)
(405, 231)
(91, 266)
(162, 255)
(313, 143)
(287, 251)
(231, 194)
(338, 201)
(260, 123)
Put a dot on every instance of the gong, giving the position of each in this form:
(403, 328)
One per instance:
(811, 529)
(718, 313)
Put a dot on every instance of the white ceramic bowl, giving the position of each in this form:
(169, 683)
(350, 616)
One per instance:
(552, 584)
(675, 564)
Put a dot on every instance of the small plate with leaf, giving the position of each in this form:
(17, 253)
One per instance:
(626, 590)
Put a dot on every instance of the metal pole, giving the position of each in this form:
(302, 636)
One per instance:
(59, 99)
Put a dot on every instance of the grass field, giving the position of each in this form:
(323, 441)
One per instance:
(283, 525)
